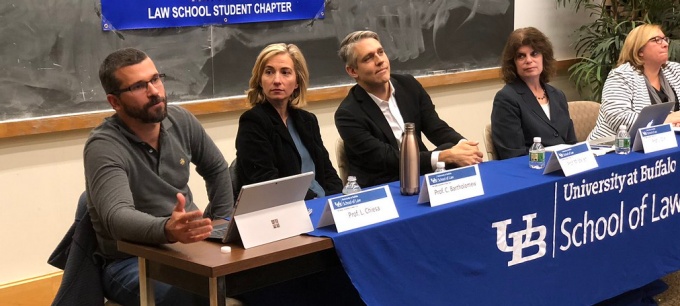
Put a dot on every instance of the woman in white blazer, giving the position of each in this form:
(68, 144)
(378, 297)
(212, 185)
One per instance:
(644, 76)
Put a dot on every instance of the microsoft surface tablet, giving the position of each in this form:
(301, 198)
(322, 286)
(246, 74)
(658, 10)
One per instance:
(654, 114)
(264, 196)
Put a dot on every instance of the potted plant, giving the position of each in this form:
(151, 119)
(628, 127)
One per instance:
(599, 42)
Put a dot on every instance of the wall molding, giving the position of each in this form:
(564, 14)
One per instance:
(39, 290)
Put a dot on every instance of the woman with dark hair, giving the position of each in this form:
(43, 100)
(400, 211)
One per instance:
(527, 107)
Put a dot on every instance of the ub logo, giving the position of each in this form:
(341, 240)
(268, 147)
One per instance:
(520, 239)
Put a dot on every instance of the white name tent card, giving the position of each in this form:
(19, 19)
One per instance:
(359, 209)
(451, 186)
(655, 138)
(272, 224)
(271, 210)
(572, 160)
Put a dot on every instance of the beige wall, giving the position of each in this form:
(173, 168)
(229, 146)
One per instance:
(42, 176)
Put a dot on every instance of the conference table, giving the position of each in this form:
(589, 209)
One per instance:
(203, 269)
(530, 239)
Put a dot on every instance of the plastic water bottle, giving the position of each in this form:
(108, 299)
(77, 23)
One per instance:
(622, 145)
(441, 167)
(351, 186)
(409, 161)
(537, 154)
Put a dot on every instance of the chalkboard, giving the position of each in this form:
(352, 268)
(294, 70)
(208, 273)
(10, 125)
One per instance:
(51, 50)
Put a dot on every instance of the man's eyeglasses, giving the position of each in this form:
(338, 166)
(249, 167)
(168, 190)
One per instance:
(659, 39)
(141, 87)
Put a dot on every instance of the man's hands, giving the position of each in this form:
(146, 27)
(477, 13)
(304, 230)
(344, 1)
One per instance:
(186, 227)
(465, 153)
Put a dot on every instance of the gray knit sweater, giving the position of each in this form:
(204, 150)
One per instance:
(131, 188)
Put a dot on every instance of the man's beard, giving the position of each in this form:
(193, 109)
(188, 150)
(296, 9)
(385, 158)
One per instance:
(144, 114)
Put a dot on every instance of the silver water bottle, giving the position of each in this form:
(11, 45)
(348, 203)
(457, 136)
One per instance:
(409, 161)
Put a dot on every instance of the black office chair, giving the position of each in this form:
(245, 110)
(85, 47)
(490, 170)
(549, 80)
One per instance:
(235, 182)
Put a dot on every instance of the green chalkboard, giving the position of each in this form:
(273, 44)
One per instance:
(51, 50)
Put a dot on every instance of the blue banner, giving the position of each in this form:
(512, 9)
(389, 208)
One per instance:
(136, 14)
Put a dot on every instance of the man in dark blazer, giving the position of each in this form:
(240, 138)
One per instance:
(371, 118)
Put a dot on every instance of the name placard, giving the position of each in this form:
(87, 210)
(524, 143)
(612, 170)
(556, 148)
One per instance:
(359, 209)
(451, 186)
(655, 138)
(572, 160)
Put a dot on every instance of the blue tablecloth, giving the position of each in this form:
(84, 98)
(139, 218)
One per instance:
(523, 242)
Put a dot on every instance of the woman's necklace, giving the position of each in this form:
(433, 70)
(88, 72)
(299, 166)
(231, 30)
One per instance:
(541, 98)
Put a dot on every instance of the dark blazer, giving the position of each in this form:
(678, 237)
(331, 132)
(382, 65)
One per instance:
(265, 150)
(516, 118)
(370, 145)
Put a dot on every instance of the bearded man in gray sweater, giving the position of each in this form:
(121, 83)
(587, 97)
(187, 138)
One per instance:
(137, 170)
